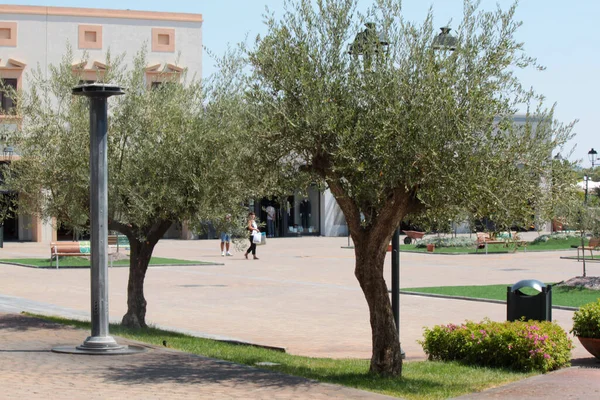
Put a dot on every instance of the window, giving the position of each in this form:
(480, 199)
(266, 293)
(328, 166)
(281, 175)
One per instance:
(6, 102)
(8, 34)
(163, 40)
(90, 36)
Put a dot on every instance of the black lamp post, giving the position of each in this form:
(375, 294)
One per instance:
(592, 156)
(365, 43)
(444, 41)
(368, 41)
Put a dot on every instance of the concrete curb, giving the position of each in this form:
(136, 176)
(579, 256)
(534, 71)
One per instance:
(443, 296)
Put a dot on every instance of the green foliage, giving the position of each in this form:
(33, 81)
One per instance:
(519, 345)
(397, 132)
(461, 241)
(83, 262)
(562, 295)
(174, 154)
(586, 321)
(556, 236)
(366, 125)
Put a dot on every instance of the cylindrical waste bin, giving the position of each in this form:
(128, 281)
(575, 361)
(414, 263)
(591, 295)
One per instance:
(536, 307)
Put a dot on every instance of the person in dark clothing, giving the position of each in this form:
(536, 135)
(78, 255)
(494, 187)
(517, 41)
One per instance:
(305, 212)
(252, 227)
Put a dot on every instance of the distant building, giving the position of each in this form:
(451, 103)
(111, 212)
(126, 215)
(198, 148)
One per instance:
(32, 36)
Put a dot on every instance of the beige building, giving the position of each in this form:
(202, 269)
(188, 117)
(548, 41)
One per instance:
(34, 36)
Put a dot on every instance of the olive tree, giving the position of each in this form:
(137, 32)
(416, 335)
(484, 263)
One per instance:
(174, 155)
(399, 130)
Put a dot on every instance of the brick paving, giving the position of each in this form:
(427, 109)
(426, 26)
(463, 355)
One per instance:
(301, 294)
(29, 370)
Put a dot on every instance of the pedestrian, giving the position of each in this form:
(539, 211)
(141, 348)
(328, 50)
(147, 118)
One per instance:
(270, 221)
(252, 227)
(226, 237)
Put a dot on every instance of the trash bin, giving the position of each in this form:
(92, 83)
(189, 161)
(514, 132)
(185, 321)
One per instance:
(1, 236)
(536, 307)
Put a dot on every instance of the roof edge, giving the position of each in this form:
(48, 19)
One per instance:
(100, 13)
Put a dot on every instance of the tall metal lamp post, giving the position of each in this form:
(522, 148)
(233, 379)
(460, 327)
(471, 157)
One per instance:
(592, 155)
(100, 342)
(366, 43)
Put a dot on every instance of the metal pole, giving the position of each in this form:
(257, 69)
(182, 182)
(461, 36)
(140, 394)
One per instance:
(100, 342)
(396, 282)
(396, 278)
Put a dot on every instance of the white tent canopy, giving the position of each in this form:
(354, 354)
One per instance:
(591, 185)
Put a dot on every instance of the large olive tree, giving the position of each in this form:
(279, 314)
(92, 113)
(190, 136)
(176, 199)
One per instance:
(174, 155)
(402, 130)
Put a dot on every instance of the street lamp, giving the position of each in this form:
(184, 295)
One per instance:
(100, 342)
(365, 43)
(444, 41)
(592, 156)
(368, 41)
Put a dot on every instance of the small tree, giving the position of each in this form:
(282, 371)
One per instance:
(400, 131)
(173, 157)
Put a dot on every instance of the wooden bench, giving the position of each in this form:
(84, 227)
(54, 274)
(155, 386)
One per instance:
(118, 242)
(75, 249)
(66, 249)
(483, 239)
(593, 244)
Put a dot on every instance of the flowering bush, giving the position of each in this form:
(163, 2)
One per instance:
(447, 242)
(519, 345)
(555, 236)
(586, 321)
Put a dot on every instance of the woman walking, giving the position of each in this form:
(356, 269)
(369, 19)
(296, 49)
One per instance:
(252, 227)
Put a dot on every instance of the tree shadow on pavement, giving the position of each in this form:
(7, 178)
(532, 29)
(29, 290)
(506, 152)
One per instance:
(588, 362)
(173, 367)
(22, 323)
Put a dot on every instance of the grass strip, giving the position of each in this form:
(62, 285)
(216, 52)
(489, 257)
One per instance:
(83, 262)
(550, 245)
(561, 295)
(420, 379)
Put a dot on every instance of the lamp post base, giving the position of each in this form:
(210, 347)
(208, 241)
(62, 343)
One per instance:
(99, 345)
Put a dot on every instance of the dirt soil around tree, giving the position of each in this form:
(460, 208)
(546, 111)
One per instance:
(588, 282)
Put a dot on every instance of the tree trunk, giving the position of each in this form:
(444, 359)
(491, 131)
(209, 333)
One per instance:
(141, 252)
(386, 358)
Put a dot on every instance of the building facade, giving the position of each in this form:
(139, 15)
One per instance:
(34, 37)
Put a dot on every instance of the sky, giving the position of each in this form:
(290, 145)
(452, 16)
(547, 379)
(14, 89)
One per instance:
(559, 33)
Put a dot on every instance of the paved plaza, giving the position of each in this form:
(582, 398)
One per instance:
(301, 295)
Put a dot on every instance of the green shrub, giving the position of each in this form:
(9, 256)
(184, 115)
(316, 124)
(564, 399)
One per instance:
(555, 236)
(586, 321)
(519, 345)
(460, 241)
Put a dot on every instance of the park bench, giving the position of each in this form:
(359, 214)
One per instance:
(484, 238)
(67, 249)
(593, 244)
(82, 248)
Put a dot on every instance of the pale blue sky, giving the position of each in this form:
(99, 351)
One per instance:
(559, 33)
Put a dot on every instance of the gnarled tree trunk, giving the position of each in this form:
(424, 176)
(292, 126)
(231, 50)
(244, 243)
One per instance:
(386, 354)
(142, 242)
(141, 252)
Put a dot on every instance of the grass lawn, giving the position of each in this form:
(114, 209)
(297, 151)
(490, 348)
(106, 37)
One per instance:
(561, 295)
(420, 379)
(82, 262)
(550, 245)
